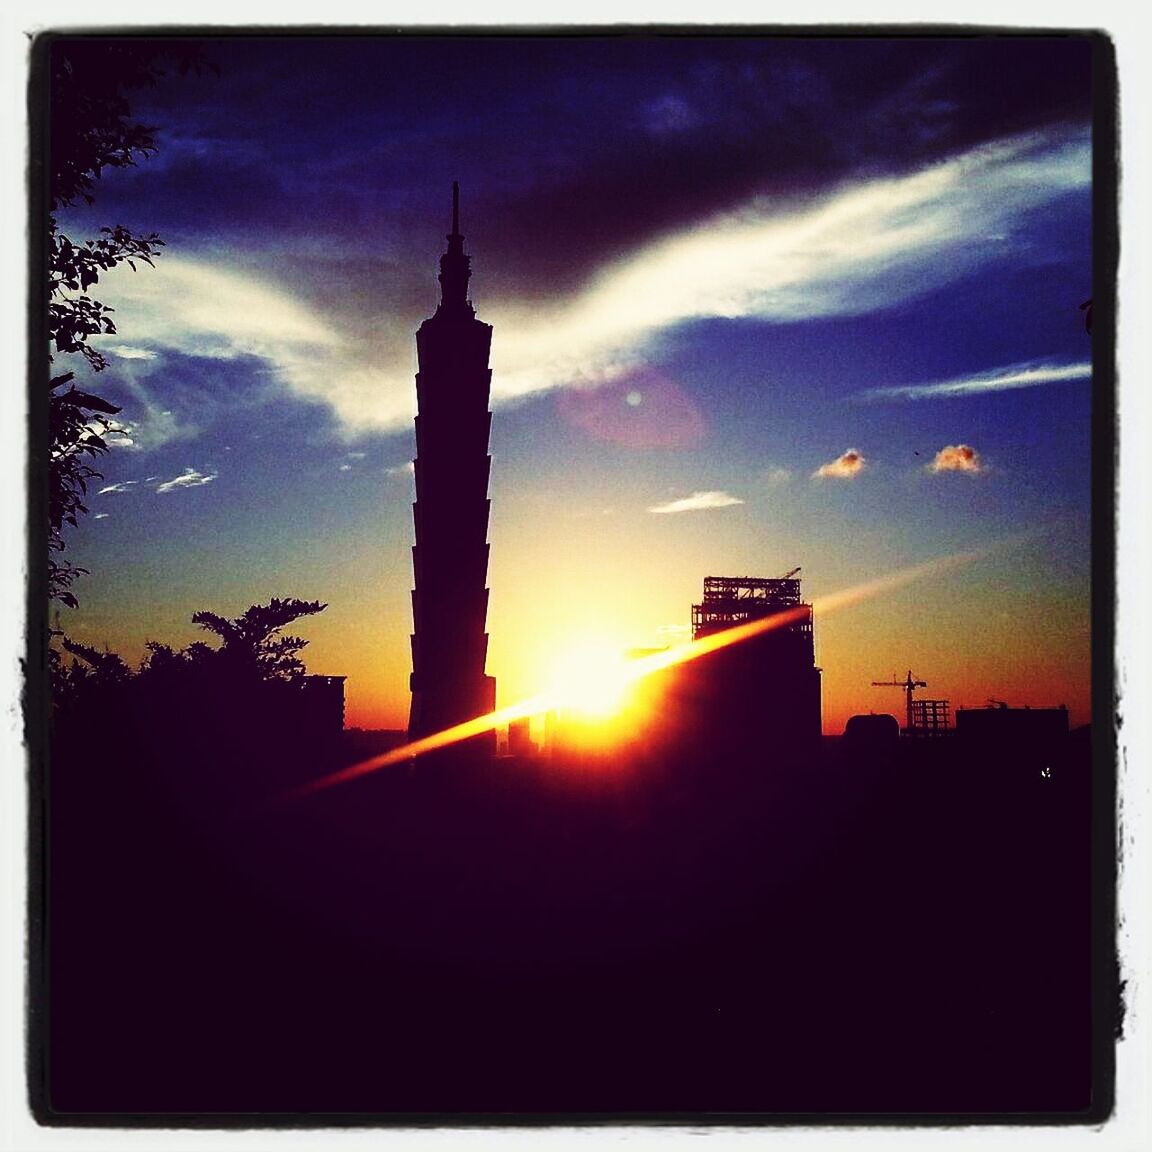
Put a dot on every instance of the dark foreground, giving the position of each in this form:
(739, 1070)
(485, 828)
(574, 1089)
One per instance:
(848, 935)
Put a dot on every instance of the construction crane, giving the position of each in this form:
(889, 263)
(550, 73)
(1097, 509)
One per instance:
(789, 575)
(908, 685)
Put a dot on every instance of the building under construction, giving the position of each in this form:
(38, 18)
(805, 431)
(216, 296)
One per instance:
(759, 694)
(922, 717)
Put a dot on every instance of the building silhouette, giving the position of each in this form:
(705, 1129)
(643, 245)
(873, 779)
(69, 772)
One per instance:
(761, 695)
(1024, 733)
(450, 558)
(930, 718)
(520, 742)
(872, 733)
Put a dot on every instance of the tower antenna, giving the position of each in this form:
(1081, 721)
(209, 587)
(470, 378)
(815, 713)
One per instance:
(455, 207)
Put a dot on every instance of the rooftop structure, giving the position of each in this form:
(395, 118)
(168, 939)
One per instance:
(732, 600)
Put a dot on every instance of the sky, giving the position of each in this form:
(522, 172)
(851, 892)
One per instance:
(758, 303)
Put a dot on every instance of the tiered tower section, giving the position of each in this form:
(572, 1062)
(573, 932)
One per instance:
(450, 559)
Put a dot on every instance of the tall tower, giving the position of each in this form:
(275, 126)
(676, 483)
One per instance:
(450, 559)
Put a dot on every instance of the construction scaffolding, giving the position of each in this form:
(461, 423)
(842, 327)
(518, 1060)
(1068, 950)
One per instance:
(930, 717)
(732, 600)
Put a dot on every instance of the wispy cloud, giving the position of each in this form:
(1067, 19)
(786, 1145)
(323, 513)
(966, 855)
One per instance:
(697, 502)
(957, 458)
(156, 427)
(774, 477)
(100, 516)
(1028, 375)
(858, 250)
(846, 466)
(122, 486)
(147, 423)
(189, 478)
(206, 308)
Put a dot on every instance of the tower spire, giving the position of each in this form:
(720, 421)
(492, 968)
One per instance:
(455, 266)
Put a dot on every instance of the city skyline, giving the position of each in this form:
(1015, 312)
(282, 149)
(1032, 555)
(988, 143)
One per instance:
(830, 321)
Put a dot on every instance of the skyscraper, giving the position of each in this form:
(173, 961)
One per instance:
(450, 559)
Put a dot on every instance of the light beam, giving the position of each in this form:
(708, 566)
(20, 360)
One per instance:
(646, 666)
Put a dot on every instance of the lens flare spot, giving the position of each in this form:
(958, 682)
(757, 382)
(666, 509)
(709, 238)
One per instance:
(634, 399)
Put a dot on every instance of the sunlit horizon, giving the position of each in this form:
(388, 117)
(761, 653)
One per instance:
(592, 679)
(713, 352)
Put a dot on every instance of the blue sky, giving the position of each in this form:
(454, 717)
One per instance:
(758, 303)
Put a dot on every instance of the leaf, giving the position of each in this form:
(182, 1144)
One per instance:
(87, 400)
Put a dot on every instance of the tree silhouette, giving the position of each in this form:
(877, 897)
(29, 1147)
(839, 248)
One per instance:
(252, 646)
(91, 130)
(253, 653)
(105, 668)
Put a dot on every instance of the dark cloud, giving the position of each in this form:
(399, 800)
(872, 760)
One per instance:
(775, 118)
(571, 150)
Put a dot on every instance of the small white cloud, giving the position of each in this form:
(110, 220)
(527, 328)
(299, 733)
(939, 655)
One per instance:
(846, 466)
(957, 458)
(697, 502)
(1028, 375)
(189, 478)
(408, 469)
(350, 459)
(100, 516)
(124, 352)
(123, 486)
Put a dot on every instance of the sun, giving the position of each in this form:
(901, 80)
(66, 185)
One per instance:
(592, 678)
